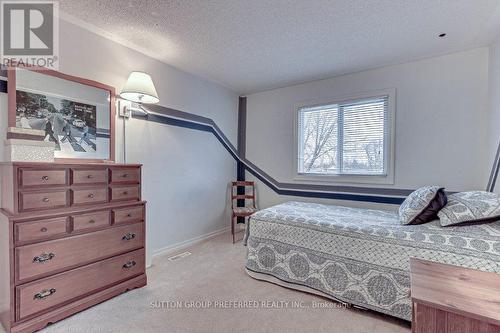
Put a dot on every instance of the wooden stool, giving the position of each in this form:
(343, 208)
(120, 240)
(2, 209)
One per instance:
(241, 211)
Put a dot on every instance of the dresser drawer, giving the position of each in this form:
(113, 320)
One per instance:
(89, 176)
(43, 200)
(91, 221)
(125, 193)
(129, 214)
(88, 196)
(31, 177)
(125, 175)
(45, 293)
(42, 258)
(39, 230)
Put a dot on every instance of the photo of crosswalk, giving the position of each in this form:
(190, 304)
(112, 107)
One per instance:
(71, 125)
(71, 144)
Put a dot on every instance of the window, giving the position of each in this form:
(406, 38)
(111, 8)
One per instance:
(346, 138)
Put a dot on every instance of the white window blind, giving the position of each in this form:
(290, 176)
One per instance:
(344, 138)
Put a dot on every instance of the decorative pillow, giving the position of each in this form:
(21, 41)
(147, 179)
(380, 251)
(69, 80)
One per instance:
(422, 205)
(469, 207)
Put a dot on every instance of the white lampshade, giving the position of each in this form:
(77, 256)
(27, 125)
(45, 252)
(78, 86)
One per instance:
(140, 89)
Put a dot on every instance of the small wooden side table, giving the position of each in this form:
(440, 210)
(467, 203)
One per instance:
(452, 299)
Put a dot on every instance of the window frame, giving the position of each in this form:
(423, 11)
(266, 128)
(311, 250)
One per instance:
(389, 158)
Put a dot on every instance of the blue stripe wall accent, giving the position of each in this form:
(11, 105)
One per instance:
(187, 120)
(178, 118)
(330, 195)
(240, 167)
(163, 119)
(3, 86)
(494, 171)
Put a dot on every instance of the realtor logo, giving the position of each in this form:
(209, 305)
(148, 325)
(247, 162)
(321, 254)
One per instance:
(29, 33)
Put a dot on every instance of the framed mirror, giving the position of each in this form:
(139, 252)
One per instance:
(75, 113)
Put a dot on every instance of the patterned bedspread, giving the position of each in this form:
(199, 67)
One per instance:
(360, 256)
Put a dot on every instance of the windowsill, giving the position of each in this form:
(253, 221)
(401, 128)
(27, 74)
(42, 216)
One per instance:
(353, 179)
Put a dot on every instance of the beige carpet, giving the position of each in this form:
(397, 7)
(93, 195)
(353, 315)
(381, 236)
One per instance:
(215, 273)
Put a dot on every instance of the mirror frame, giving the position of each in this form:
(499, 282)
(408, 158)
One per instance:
(11, 95)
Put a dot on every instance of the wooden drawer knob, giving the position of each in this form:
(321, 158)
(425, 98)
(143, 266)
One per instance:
(91, 221)
(125, 175)
(90, 176)
(45, 177)
(91, 195)
(45, 199)
(125, 192)
(43, 229)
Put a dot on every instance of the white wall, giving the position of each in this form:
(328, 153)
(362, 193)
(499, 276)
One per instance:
(441, 121)
(494, 88)
(85, 54)
(186, 172)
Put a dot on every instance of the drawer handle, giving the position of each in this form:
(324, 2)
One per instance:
(91, 221)
(129, 215)
(125, 175)
(43, 258)
(128, 236)
(45, 177)
(125, 192)
(45, 199)
(90, 176)
(91, 195)
(44, 293)
(129, 264)
(43, 229)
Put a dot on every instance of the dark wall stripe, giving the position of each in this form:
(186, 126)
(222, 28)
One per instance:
(332, 188)
(3, 71)
(163, 119)
(352, 193)
(178, 114)
(183, 119)
(240, 168)
(328, 195)
(3, 86)
(494, 171)
(186, 122)
(242, 127)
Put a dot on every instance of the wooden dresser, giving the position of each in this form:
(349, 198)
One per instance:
(71, 236)
(451, 299)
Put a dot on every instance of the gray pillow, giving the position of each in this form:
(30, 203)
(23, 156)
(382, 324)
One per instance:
(470, 207)
(422, 205)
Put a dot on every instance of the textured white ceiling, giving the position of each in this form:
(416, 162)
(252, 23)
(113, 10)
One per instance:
(256, 45)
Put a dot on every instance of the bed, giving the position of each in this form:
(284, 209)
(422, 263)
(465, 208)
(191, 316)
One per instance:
(359, 256)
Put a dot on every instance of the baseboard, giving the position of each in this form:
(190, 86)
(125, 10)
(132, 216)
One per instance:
(187, 243)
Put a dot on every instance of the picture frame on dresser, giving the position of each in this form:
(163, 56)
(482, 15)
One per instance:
(75, 114)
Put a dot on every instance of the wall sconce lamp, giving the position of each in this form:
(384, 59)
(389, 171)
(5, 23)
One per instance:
(139, 89)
